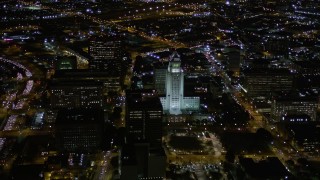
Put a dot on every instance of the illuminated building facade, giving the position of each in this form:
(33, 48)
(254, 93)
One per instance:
(294, 105)
(111, 81)
(174, 102)
(70, 94)
(160, 73)
(265, 81)
(106, 54)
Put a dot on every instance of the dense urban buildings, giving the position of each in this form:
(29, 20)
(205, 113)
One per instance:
(159, 89)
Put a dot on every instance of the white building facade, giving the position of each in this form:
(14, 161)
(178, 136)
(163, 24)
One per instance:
(174, 102)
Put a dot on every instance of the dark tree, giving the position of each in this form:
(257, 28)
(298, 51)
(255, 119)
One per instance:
(265, 135)
(230, 156)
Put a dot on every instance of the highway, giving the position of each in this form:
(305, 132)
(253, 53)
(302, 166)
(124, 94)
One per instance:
(14, 109)
(16, 101)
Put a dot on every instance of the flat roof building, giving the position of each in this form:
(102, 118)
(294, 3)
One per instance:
(79, 130)
(266, 81)
(76, 94)
(294, 104)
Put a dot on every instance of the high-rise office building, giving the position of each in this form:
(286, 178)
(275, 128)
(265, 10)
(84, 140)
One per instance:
(140, 161)
(111, 81)
(174, 85)
(76, 94)
(79, 130)
(265, 81)
(144, 116)
(296, 104)
(106, 54)
(174, 102)
(233, 59)
(160, 72)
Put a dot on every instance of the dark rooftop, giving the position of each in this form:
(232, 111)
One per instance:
(66, 116)
(144, 98)
(270, 168)
(266, 71)
(84, 83)
(81, 73)
(304, 132)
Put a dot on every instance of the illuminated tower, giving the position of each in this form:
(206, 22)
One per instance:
(174, 101)
(174, 85)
